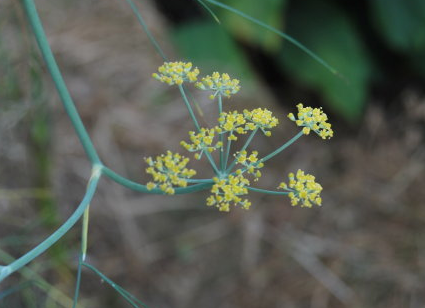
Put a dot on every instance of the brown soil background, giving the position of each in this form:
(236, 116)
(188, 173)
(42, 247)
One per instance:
(363, 248)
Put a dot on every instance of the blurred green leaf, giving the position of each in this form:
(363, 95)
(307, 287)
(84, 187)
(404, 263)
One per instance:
(270, 12)
(209, 47)
(402, 24)
(328, 32)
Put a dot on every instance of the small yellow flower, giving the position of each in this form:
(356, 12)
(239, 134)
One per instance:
(176, 73)
(251, 163)
(168, 170)
(303, 189)
(232, 122)
(312, 119)
(219, 84)
(227, 192)
(260, 118)
(202, 141)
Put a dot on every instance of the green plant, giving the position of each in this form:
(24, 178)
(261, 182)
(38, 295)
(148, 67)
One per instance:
(170, 170)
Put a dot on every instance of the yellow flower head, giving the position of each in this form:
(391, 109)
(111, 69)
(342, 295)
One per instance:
(227, 192)
(260, 118)
(168, 170)
(303, 189)
(251, 163)
(176, 73)
(202, 141)
(312, 119)
(219, 84)
(231, 122)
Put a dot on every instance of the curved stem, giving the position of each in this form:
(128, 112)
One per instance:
(283, 147)
(56, 75)
(55, 236)
(279, 33)
(189, 107)
(248, 141)
(142, 188)
(270, 192)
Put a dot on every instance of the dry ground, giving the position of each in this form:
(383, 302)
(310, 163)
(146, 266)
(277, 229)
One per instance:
(363, 248)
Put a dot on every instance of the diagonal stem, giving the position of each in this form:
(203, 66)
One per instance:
(189, 107)
(283, 147)
(55, 236)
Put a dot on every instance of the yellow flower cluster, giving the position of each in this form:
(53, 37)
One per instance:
(312, 119)
(231, 121)
(303, 189)
(241, 123)
(176, 73)
(250, 162)
(168, 170)
(219, 84)
(202, 141)
(227, 192)
(261, 118)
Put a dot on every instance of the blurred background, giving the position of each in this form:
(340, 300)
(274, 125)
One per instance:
(365, 247)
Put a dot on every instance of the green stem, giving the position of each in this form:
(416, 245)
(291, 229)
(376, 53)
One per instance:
(126, 295)
(199, 181)
(78, 282)
(212, 163)
(226, 156)
(16, 288)
(146, 29)
(209, 11)
(142, 188)
(189, 108)
(283, 147)
(55, 236)
(56, 75)
(84, 233)
(270, 192)
(220, 111)
(248, 141)
(279, 33)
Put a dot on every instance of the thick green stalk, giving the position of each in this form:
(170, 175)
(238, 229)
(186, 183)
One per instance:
(56, 75)
(55, 236)
(142, 188)
(57, 295)
(283, 147)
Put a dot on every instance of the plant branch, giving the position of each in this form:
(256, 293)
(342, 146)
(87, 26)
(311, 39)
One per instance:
(55, 236)
(283, 147)
(56, 75)
(142, 188)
